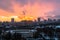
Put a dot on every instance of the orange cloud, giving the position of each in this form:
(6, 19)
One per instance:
(34, 11)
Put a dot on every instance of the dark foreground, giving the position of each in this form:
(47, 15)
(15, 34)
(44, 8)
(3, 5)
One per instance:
(40, 34)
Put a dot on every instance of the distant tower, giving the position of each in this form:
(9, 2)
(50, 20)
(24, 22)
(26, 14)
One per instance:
(38, 19)
(49, 19)
(12, 19)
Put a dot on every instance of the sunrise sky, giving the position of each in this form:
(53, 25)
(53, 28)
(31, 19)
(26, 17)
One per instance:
(32, 8)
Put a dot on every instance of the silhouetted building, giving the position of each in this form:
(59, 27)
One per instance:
(12, 19)
(49, 19)
(54, 19)
(38, 19)
(58, 20)
(34, 20)
(45, 20)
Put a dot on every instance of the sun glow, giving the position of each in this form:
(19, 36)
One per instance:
(16, 18)
(28, 18)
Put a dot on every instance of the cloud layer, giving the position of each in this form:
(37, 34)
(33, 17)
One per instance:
(35, 8)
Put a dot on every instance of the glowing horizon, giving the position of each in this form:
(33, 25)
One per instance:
(16, 18)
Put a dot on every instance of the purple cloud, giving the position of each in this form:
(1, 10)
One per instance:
(54, 12)
(6, 5)
(25, 2)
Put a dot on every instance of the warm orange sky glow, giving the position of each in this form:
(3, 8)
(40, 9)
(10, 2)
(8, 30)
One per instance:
(33, 9)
